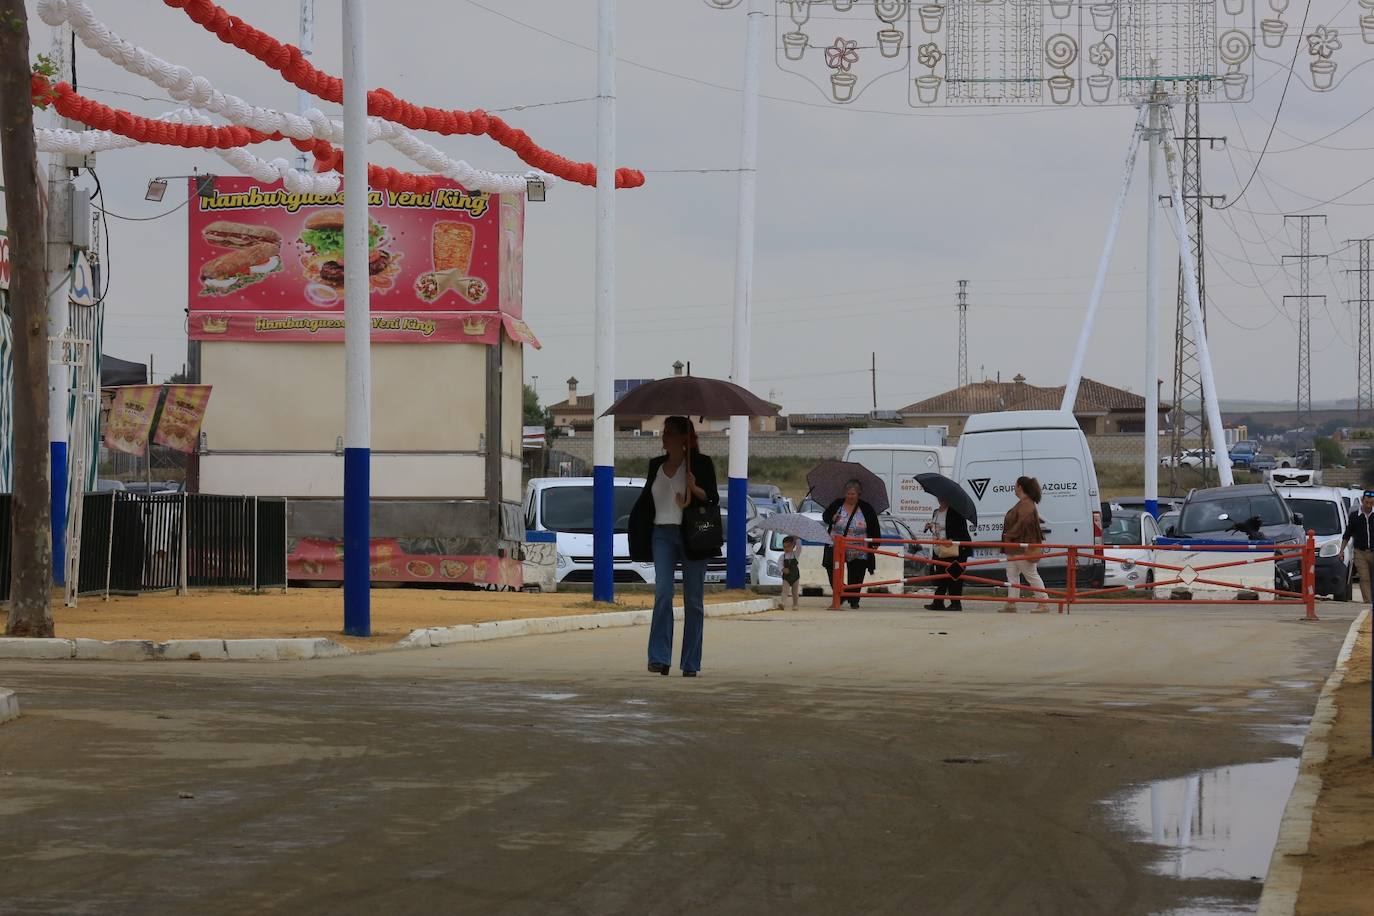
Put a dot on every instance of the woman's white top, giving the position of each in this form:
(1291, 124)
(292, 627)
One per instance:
(937, 523)
(666, 490)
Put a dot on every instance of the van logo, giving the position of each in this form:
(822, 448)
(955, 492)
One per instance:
(980, 486)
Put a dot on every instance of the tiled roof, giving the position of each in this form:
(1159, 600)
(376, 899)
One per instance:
(583, 405)
(989, 396)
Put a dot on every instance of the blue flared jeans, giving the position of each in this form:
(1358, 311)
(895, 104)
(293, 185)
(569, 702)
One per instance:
(668, 554)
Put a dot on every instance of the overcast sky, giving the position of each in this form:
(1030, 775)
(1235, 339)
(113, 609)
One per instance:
(868, 215)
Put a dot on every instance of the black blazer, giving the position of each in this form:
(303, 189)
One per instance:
(870, 521)
(642, 515)
(956, 529)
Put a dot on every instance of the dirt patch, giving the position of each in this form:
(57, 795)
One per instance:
(318, 612)
(1338, 877)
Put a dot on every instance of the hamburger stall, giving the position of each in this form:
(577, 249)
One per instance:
(266, 323)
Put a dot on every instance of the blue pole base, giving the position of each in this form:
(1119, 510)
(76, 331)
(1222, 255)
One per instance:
(603, 533)
(1152, 507)
(736, 538)
(57, 470)
(357, 542)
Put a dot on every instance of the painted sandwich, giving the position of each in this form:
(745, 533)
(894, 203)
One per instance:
(322, 237)
(239, 267)
(227, 234)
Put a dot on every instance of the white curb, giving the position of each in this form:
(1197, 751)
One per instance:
(1281, 884)
(538, 626)
(319, 647)
(9, 706)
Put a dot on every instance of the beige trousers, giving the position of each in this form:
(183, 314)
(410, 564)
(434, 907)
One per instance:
(1363, 563)
(1016, 570)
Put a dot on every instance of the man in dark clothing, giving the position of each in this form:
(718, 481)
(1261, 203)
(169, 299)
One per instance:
(1360, 529)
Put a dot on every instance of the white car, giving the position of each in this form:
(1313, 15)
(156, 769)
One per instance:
(1191, 458)
(1323, 511)
(1129, 541)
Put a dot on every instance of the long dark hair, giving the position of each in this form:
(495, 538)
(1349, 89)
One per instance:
(683, 426)
(1030, 486)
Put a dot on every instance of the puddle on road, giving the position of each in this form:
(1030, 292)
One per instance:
(1220, 823)
(553, 696)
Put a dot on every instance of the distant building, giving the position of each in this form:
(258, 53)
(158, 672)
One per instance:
(1099, 409)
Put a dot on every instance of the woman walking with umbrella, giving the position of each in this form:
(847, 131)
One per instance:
(851, 517)
(951, 522)
(677, 479)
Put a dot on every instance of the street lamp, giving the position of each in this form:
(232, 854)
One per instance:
(535, 190)
(205, 186)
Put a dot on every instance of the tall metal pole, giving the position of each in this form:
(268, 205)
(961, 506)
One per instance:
(1189, 260)
(1152, 315)
(1104, 262)
(357, 329)
(737, 544)
(963, 333)
(1304, 297)
(603, 444)
(1364, 379)
(59, 264)
(304, 100)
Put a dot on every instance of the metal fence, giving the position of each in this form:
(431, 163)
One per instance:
(133, 543)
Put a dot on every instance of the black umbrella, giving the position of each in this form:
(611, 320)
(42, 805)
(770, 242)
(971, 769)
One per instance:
(690, 396)
(949, 493)
(828, 478)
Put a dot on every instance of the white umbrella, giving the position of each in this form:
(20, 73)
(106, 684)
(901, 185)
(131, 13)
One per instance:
(796, 524)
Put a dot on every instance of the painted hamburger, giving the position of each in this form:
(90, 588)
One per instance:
(239, 267)
(322, 238)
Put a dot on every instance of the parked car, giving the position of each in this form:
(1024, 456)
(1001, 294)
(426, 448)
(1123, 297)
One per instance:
(563, 505)
(1323, 512)
(108, 486)
(767, 497)
(1129, 541)
(1244, 452)
(1166, 503)
(1213, 514)
(1263, 462)
(1191, 458)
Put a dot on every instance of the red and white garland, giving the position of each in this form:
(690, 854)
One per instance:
(293, 66)
(199, 92)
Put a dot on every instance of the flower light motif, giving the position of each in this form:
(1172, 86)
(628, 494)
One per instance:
(929, 55)
(1100, 55)
(1323, 42)
(842, 55)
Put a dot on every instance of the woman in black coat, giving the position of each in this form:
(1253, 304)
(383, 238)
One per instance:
(949, 525)
(677, 478)
(851, 517)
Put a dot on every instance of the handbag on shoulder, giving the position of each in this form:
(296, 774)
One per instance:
(702, 529)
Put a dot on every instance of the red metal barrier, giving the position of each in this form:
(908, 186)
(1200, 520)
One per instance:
(1187, 575)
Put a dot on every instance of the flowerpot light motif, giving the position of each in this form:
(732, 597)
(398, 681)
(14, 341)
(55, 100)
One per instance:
(1322, 44)
(1060, 9)
(833, 64)
(929, 56)
(1104, 16)
(722, 4)
(1234, 7)
(1234, 48)
(839, 57)
(1060, 53)
(1100, 55)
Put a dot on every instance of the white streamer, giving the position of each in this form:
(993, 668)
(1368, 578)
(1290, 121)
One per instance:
(198, 92)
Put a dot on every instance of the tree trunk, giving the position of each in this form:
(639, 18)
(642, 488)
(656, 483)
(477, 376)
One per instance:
(31, 569)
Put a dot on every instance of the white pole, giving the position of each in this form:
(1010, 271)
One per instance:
(737, 545)
(1104, 262)
(357, 328)
(1152, 319)
(603, 443)
(304, 100)
(59, 263)
(1204, 354)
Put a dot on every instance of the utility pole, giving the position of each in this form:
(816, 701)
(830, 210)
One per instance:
(1364, 381)
(1304, 297)
(963, 333)
(873, 372)
(60, 231)
(31, 570)
(1188, 387)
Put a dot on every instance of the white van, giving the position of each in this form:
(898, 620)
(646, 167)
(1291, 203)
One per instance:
(997, 448)
(563, 505)
(896, 465)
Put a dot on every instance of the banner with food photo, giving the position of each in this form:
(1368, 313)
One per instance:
(258, 249)
(131, 418)
(395, 560)
(183, 409)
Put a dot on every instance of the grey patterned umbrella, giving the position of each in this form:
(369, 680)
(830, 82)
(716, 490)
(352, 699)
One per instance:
(828, 478)
(796, 524)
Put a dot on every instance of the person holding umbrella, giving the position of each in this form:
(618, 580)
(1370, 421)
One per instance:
(677, 478)
(851, 517)
(949, 525)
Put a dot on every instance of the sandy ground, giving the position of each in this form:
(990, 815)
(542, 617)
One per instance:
(318, 612)
(874, 762)
(1338, 878)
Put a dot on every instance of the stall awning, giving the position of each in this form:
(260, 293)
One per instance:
(115, 372)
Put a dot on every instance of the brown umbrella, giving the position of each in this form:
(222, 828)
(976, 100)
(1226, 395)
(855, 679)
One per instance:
(691, 396)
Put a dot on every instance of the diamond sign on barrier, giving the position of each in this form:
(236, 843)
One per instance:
(1187, 575)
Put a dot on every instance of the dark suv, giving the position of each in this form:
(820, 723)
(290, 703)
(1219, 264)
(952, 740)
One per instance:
(1215, 514)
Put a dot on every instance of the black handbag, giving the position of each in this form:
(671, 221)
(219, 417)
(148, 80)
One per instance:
(703, 533)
